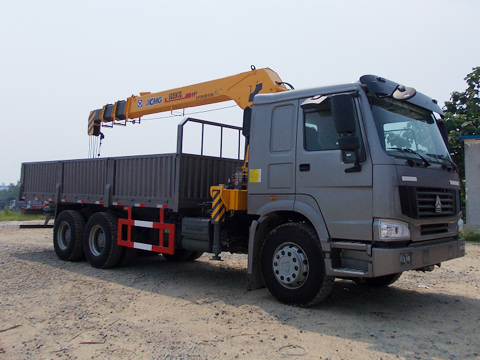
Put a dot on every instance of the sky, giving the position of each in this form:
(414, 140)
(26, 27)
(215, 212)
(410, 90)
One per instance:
(61, 59)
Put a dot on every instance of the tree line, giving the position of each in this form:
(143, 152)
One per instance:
(462, 115)
(10, 193)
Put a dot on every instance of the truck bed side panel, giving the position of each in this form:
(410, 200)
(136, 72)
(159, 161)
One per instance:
(148, 180)
(84, 177)
(39, 180)
(176, 181)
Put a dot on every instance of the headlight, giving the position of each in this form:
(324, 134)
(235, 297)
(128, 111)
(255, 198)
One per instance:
(389, 229)
(460, 225)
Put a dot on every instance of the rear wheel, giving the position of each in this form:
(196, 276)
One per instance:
(68, 235)
(100, 241)
(293, 266)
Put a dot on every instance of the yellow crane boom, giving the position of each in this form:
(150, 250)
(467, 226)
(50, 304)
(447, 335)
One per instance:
(241, 88)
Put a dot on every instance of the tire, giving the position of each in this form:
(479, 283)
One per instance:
(68, 235)
(100, 241)
(128, 257)
(183, 255)
(293, 266)
(195, 255)
(380, 281)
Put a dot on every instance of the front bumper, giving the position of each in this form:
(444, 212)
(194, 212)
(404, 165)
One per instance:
(366, 261)
(391, 261)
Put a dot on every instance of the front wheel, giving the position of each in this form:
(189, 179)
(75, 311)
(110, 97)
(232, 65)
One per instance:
(293, 266)
(380, 281)
(100, 241)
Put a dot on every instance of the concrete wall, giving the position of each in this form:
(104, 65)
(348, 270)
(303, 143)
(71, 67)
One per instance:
(472, 187)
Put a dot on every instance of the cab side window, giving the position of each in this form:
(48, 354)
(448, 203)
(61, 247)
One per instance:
(319, 129)
(319, 133)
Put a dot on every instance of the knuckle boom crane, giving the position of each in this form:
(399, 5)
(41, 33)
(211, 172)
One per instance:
(240, 88)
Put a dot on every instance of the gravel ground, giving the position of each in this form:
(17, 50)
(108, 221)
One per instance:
(154, 309)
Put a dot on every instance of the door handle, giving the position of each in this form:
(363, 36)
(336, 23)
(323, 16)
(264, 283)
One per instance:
(304, 167)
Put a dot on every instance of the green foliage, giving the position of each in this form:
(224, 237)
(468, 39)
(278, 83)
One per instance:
(7, 215)
(471, 236)
(10, 193)
(462, 114)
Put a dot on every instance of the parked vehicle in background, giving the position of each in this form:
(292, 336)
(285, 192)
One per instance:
(16, 205)
(34, 207)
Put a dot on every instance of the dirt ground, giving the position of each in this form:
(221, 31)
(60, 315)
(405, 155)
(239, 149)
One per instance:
(154, 309)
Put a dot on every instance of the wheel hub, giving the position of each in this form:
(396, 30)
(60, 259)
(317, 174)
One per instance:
(97, 240)
(290, 265)
(64, 236)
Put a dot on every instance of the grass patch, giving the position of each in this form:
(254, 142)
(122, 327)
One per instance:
(471, 236)
(7, 215)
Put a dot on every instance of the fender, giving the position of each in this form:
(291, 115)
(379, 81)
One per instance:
(303, 206)
(254, 279)
(273, 206)
(308, 207)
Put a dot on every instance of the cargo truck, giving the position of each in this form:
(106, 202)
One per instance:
(349, 181)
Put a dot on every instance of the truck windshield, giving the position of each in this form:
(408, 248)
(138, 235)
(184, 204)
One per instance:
(408, 131)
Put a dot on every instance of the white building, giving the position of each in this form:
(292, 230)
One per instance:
(472, 182)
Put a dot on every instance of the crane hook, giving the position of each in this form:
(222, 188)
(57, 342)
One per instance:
(100, 144)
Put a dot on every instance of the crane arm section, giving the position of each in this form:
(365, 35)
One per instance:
(240, 88)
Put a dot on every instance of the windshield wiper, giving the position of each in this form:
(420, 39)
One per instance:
(447, 159)
(410, 151)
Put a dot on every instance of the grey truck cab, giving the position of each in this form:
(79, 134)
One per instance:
(364, 168)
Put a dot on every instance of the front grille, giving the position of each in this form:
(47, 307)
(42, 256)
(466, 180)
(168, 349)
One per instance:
(433, 229)
(423, 202)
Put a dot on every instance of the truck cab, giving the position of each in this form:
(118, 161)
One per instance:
(365, 166)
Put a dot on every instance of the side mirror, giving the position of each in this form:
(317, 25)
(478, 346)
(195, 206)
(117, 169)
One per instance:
(343, 112)
(344, 115)
(348, 143)
(442, 126)
(247, 121)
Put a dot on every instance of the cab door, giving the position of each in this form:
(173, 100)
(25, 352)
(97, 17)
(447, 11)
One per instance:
(272, 156)
(343, 198)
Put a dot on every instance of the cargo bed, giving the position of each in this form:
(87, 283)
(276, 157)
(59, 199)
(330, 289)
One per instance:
(176, 180)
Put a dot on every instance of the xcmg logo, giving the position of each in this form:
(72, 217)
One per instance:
(154, 101)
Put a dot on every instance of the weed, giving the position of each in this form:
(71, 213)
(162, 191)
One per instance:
(471, 236)
(7, 215)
